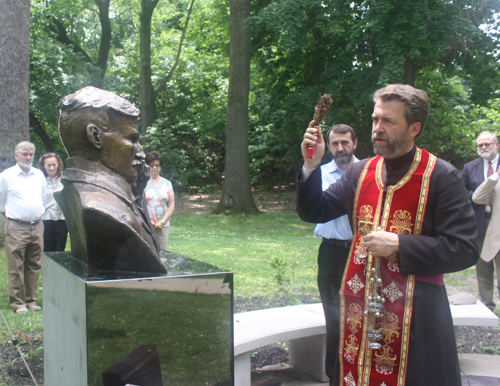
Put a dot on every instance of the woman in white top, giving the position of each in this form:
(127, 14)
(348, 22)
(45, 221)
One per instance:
(55, 231)
(160, 199)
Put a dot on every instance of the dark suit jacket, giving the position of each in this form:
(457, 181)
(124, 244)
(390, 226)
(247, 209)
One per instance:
(108, 230)
(473, 176)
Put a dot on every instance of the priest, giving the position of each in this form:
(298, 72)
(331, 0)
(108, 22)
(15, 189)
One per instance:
(412, 222)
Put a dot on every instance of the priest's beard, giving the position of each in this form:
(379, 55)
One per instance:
(392, 148)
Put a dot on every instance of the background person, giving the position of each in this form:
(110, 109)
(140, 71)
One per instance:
(336, 241)
(160, 199)
(474, 174)
(22, 194)
(55, 232)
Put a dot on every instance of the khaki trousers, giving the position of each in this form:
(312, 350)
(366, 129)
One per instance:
(162, 236)
(485, 271)
(23, 253)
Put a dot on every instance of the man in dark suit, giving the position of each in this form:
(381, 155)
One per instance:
(104, 183)
(473, 174)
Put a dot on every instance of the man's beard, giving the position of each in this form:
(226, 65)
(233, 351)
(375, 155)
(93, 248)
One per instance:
(342, 157)
(27, 164)
(393, 148)
(486, 154)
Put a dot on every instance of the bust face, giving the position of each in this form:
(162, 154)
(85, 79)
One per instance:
(121, 149)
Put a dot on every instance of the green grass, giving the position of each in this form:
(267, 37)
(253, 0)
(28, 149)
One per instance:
(250, 246)
(26, 324)
(245, 245)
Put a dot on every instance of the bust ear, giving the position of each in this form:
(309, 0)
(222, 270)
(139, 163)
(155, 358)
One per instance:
(93, 133)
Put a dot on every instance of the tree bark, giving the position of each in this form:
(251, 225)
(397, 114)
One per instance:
(14, 77)
(179, 49)
(39, 130)
(14, 81)
(105, 45)
(99, 68)
(409, 76)
(237, 193)
(147, 94)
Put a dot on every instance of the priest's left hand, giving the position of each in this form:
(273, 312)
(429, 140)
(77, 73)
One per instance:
(381, 243)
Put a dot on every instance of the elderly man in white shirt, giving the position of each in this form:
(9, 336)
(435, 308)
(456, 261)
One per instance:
(336, 241)
(22, 195)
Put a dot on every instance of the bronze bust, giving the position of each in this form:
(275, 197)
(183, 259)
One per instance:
(104, 182)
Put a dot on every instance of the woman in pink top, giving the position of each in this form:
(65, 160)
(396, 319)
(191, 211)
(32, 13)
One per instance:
(160, 199)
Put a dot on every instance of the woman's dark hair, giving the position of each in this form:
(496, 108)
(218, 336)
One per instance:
(41, 163)
(153, 156)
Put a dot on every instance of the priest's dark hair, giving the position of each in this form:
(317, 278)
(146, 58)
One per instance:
(416, 102)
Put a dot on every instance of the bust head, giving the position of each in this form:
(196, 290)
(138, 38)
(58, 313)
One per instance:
(101, 126)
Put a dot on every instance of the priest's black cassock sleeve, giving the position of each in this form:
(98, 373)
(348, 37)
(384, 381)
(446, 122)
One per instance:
(447, 244)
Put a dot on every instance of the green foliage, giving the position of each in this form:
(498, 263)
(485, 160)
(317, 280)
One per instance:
(189, 130)
(301, 49)
(306, 47)
(285, 269)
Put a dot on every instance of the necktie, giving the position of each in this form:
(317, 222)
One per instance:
(490, 170)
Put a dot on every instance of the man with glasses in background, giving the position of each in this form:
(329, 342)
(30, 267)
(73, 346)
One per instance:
(473, 174)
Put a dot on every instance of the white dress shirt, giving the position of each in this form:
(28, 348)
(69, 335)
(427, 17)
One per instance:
(22, 196)
(338, 229)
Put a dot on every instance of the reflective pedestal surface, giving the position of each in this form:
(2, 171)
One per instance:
(93, 320)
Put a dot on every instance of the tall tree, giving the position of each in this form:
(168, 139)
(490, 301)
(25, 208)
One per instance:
(237, 193)
(148, 94)
(14, 77)
(146, 84)
(97, 69)
(14, 81)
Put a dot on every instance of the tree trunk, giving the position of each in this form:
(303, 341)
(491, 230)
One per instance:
(98, 69)
(147, 94)
(38, 129)
(237, 193)
(105, 45)
(14, 77)
(14, 81)
(409, 76)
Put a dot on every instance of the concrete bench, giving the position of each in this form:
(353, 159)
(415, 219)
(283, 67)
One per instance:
(304, 328)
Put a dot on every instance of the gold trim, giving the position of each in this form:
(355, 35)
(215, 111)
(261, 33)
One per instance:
(424, 193)
(378, 173)
(405, 330)
(356, 197)
(413, 167)
(342, 287)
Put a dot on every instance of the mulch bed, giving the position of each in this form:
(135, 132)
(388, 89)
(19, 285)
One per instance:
(479, 340)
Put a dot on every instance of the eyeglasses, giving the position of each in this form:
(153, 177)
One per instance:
(48, 155)
(488, 144)
(154, 166)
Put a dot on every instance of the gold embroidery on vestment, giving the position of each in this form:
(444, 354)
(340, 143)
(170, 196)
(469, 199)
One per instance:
(401, 222)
